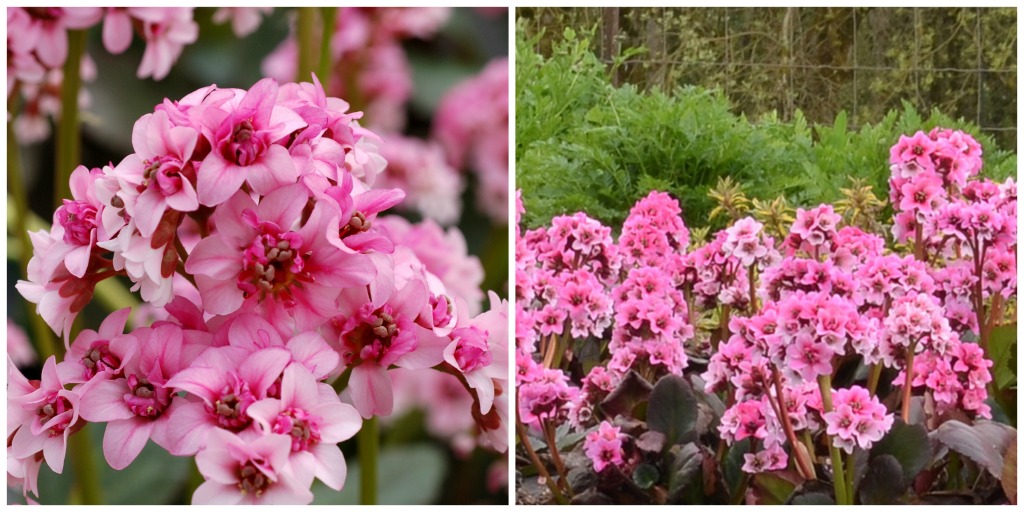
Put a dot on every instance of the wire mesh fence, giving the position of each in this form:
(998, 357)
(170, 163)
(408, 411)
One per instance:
(820, 61)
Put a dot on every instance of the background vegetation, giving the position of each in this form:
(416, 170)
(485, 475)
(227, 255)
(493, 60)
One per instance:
(583, 143)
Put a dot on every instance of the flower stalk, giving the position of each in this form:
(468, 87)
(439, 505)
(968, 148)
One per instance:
(369, 446)
(68, 141)
(838, 476)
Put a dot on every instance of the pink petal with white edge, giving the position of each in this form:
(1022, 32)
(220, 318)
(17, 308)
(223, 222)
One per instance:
(77, 260)
(54, 450)
(371, 390)
(484, 387)
(218, 180)
(124, 440)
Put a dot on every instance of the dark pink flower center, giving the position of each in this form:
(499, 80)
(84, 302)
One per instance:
(251, 479)
(441, 307)
(78, 218)
(472, 351)
(244, 147)
(98, 359)
(302, 426)
(166, 174)
(55, 406)
(271, 263)
(372, 335)
(145, 399)
(230, 407)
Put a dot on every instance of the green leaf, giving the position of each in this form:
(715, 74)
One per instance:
(672, 409)
(775, 489)
(813, 498)
(409, 475)
(645, 475)
(884, 482)
(908, 445)
(154, 478)
(685, 469)
(1002, 351)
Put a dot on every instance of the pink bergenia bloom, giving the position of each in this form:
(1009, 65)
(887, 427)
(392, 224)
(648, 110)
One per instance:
(19, 348)
(252, 332)
(372, 337)
(76, 226)
(261, 256)
(479, 349)
(51, 25)
(159, 175)
(604, 446)
(244, 148)
(252, 471)
(244, 20)
(311, 414)
(43, 415)
(138, 404)
(226, 381)
(58, 294)
(117, 29)
(857, 419)
(922, 195)
(917, 149)
(96, 352)
(167, 30)
(434, 188)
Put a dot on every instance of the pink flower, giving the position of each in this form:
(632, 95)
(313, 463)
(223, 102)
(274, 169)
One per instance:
(311, 414)
(117, 29)
(479, 349)
(857, 419)
(244, 149)
(226, 380)
(373, 337)
(263, 256)
(159, 174)
(604, 446)
(43, 414)
(138, 404)
(251, 472)
(167, 30)
(244, 20)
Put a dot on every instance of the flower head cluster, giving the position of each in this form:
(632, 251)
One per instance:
(250, 224)
(653, 231)
(651, 323)
(604, 446)
(857, 419)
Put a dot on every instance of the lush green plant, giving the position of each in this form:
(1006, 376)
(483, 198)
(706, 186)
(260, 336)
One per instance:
(585, 145)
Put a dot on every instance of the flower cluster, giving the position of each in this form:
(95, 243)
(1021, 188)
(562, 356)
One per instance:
(604, 446)
(37, 44)
(857, 419)
(250, 223)
(776, 328)
(470, 126)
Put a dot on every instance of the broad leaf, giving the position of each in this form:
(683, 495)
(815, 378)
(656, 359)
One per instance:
(908, 444)
(984, 442)
(672, 409)
(884, 482)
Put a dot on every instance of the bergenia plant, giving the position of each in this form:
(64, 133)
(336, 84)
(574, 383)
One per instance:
(284, 298)
(830, 364)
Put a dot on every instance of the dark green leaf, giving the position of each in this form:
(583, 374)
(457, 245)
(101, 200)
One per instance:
(908, 444)
(884, 483)
(685, 470)
(775, 489)
(672, 409)
(813, 498)
(645, 475)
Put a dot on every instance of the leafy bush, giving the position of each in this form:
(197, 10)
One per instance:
(584, 145)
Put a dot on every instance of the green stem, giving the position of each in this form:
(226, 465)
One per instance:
(369, 443)
(838, 478)
(908, 382)
(45, 342)
(68, 143)
(305, 33)
(850, 476)
(874, 374)
(87, 479)
(328, 15)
